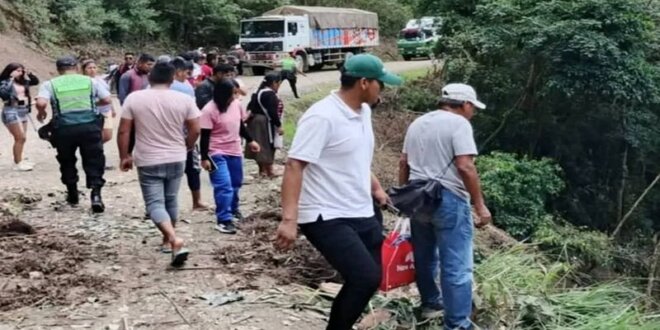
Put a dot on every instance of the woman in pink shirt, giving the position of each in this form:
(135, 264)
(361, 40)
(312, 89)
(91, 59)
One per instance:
(222, 124)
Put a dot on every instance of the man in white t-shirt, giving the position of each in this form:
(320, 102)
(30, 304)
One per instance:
(328, 188)
(440, 146)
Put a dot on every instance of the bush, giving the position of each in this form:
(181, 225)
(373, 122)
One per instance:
(589, 248)
(418, 95)
(518, 189)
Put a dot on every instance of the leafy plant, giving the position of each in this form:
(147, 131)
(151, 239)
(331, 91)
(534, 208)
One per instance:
(518, 190)
(572, 244)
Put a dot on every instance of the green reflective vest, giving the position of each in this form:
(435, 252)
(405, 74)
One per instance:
(73, 96)
(289, 64)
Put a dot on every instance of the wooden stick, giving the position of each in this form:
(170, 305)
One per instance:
(124, 323)
(199, 268)
(21, 236)
(654, 267)
(639, 200)
(243, 319)
(176, 308)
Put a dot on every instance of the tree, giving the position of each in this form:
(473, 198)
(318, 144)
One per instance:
(574, 80)
(131, 21)
(79, 21)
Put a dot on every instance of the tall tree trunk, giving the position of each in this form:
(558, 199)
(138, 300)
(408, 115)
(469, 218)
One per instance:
(654, 267)
(622, 184)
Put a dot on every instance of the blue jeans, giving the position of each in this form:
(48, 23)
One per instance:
(444, 244)
(227, 180)
(14, 114)
(160, 187)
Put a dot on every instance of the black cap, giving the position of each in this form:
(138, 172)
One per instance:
(66, 62)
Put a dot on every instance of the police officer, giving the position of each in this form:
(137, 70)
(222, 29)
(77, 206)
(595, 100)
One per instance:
(289, 70)
(76, 124)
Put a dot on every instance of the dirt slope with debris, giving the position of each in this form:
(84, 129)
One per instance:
(14, 48)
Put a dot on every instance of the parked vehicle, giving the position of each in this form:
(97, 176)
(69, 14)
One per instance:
(317, 36)
(419, 38)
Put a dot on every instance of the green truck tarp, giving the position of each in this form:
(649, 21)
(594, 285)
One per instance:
(329, 17)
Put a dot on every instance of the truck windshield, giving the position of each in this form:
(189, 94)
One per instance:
(262, 29)
(411, 35)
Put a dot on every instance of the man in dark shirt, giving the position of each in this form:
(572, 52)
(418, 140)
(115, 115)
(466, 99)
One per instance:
(129, 61)
(204, 92)
(136, 78)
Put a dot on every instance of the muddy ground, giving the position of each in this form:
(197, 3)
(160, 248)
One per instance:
(70, 269)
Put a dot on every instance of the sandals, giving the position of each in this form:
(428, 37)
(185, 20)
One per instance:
(179, 258)
(165, 249)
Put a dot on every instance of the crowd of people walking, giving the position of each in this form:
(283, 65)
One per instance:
(184, 113)
(167, 104)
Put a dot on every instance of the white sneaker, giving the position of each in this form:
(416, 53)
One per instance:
(23, 167)
(27, 162)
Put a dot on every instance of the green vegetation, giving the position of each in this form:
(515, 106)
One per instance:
(518, 288)
(568, 144)
(518, 190)
(575, 81)
(589, 248)
(178, 24)
(521, 290)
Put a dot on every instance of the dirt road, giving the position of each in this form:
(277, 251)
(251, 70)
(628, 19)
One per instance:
(329, 75)
(118, 271)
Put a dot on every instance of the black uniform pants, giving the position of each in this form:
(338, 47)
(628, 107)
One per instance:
(353, 247)
(88, 138)
(291, 78)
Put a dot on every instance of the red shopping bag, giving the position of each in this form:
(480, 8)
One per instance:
(397, 257)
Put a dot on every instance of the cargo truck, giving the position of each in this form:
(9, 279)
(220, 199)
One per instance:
(317, 36)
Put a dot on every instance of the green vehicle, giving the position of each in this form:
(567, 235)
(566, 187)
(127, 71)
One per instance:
(418, 39)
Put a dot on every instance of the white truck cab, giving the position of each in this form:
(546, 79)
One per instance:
(315, 35)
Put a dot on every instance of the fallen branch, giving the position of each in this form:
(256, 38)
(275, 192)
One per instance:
(637, 202)
(241, 320)
(198, 268)
(178, 311)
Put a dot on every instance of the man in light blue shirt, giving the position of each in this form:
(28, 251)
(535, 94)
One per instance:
(193, 168)
(183, 71)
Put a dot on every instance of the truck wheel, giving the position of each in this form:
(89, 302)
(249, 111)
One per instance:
(301, 63)
(407, 57)
(258, 70)
(346, 57)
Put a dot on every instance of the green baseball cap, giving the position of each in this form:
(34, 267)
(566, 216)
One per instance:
(370, 67)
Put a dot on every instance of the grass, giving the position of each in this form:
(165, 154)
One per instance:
(518, 288)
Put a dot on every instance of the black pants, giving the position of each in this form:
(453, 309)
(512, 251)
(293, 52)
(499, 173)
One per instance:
(291, 78)
(192, 171)
(88, 138)
(352, 246)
